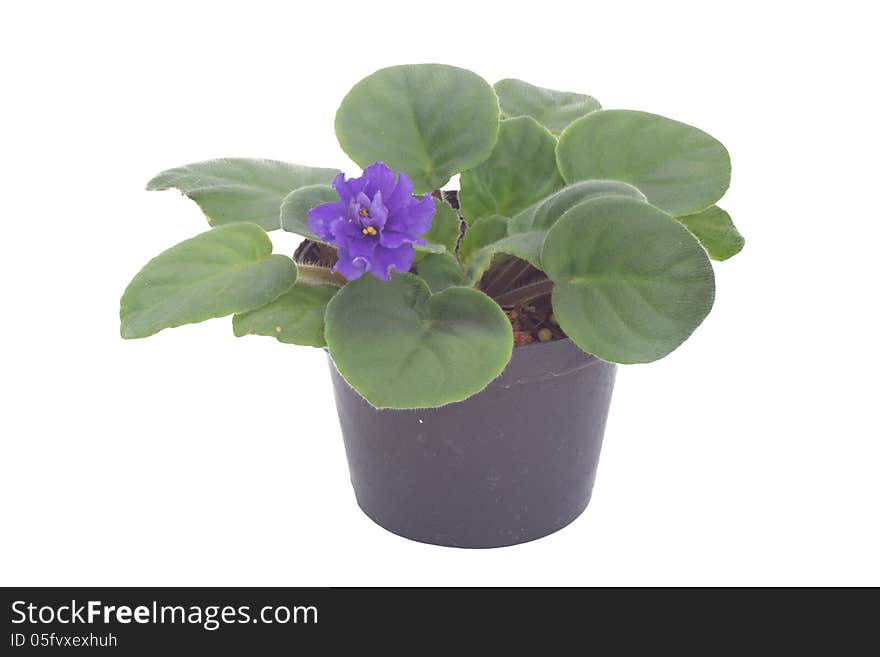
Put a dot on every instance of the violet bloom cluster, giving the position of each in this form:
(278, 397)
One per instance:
(375, 223)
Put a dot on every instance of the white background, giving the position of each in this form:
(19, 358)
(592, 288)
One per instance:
(749, 456)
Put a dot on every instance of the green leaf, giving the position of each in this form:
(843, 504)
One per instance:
(239, 189)
(716, 232)
(543, 214)
(488, 237)
(296, 205)
(555, 110)
(520, 171)
(430, 121)
(528, 229)
(482, 232)
(425, 249)
(296, 317)
(441, 270)
(525, 246)
(444, 226)
(226, 270)
(400, 346)
(630, 282)
(681, 169)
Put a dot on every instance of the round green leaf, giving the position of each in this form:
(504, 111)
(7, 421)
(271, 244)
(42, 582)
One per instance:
(240, 189)
(482, 232)
(555, 110)
(296, 317)
(681, 169)
(440, 270)
(400, 346)
(529, 228)
(226, 270)
(444, 226)
(543, 214)
(630, 282)
(520, 171)
(430, 121)
(296, 205)
(716, 232)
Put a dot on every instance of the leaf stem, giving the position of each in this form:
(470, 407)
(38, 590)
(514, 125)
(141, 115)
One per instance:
(525, 293)
(315, 275)
(507, 275)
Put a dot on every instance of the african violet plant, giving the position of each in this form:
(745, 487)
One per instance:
(605, 218)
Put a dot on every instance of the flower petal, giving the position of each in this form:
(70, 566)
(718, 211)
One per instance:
(351, 268)
(381, 203)
(346, 230)
(393, 239)
(384, 260)
(413, 220)
(322, 217)
(402, 193)
(379, 178)
(378, 212)
(363, 247)
(420, 214)
(348, 189)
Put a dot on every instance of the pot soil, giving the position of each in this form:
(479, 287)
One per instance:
(513, 463)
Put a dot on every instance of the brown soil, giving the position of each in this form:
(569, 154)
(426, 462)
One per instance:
(533, 322)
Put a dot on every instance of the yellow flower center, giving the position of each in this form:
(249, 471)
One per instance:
(364, 212)
(369, 230)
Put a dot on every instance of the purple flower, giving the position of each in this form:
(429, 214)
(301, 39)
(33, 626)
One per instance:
(375, 223)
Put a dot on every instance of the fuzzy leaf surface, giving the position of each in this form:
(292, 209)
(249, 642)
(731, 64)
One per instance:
(430, 121)
(555, 110)
(543, 214)
(520, 171)
(680, 168)
(716, 232)
(296, 317)
(226, 270)
(238, 189)
(630, 282)
(400, 346)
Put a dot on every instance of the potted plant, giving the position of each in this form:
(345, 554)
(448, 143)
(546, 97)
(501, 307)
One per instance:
(472, 334)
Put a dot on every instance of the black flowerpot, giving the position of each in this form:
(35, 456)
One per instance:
(511, 464)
